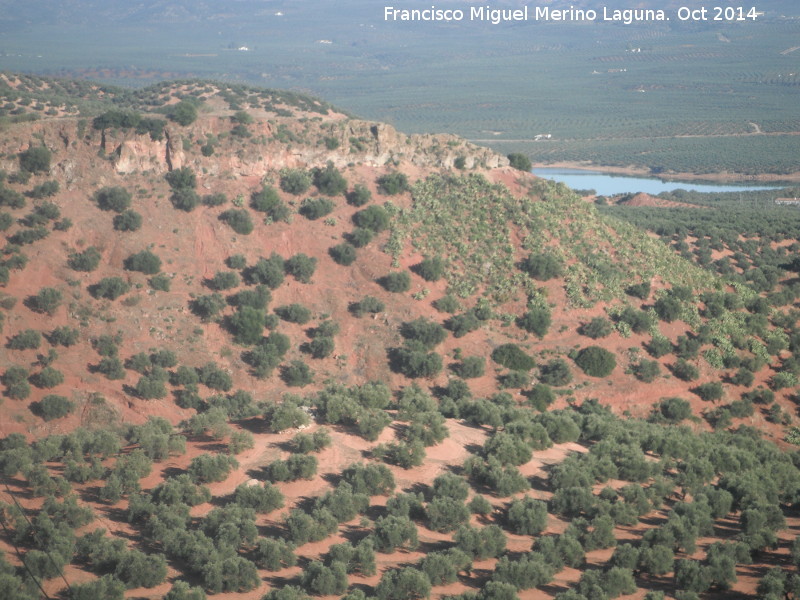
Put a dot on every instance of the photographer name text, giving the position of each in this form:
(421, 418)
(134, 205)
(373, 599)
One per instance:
(496, 16)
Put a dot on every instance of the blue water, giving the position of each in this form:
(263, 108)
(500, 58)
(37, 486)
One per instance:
(608, 185)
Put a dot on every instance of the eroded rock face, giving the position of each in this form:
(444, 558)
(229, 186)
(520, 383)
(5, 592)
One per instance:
(141, 154)
(378, 144)
(365, 142)
(374, 144)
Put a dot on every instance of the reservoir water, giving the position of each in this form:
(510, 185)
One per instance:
(606, 184)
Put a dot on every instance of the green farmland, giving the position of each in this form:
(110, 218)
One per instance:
(700, 97)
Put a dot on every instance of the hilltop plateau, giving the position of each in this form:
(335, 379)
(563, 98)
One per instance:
(256, 347)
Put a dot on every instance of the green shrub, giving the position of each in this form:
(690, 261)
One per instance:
(296, 374)
(543, 266)
(320, 346)
(415, 362)
(144, 262)
(685, 371)
(426, 333)
(269, 271)
(47, 378)
(741, 409)
(105, 588)
(343, 254)
(392, 184)
(36, 159)
(396, 282)
(210, 468)
(783, 379)
(111, 367)
(217, 199)
(330, 181)
(359, 237)
(540, 397)
(128, 220)
(294, 313)
(183, 113)
(514, 380)
(368, 304)
(116, 199)
(519, 161)
(262, 499)
(247, 325)
(11, 199)
(596, 361)
(236, 261)
(687, 347)
(316, 208)
(53, 407)
(47, 301)
(181, 590)
(150, 388)
(64, 336)
(294, 181)
(257, 297)
(16, 381)
(301, 267)
(303, 443)
(359, 196)
(208, 306)
(185, 199)
(556, 373)
(512, 357)
(213, 377)
(107, 345)
(297, 466)
(470, 367)
(668, 308)
(658, 347)
(527, 516)
(536, 321)
(598, 327)
(28, 339)
(238, 219)
(374, 218)
(463, 324)
(285, 415)
(646, 370)
(28, 236)
(639, 290)
(710, 392)
(265, 200)
(6, 220)
(674, 410)
(430, 269)
(224, 280)
(447, 304)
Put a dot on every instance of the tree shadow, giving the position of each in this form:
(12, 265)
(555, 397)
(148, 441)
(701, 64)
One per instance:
(171, 472)
(538, 483)
(271, 530)
(255, 425)
(258, 473)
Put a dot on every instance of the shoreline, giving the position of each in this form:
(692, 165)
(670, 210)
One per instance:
(722, 177)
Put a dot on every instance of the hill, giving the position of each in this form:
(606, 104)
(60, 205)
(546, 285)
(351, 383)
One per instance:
(256, 346)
